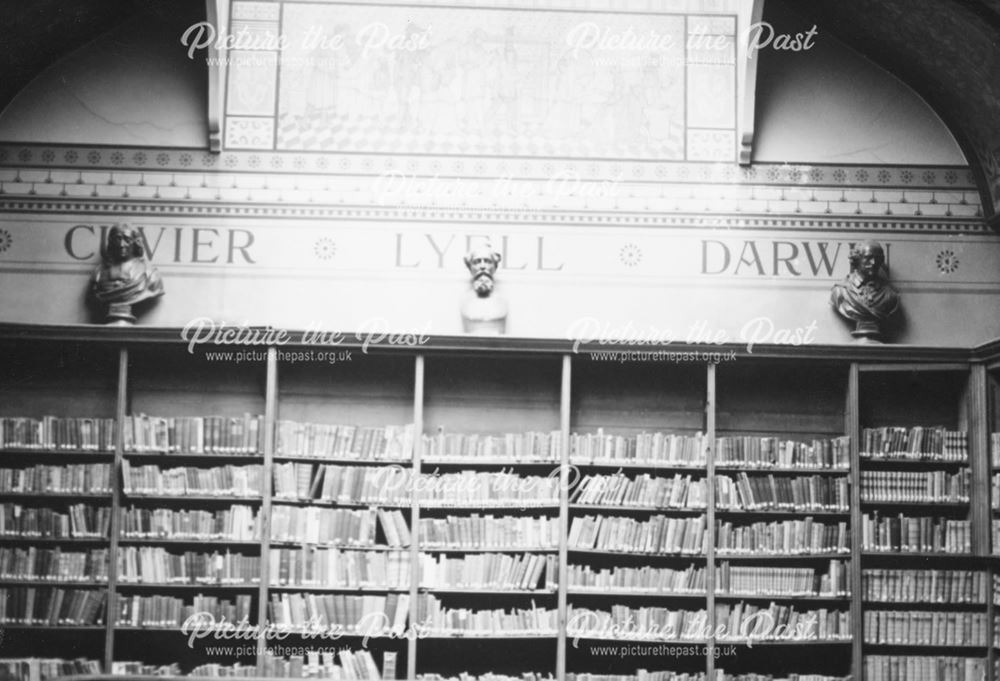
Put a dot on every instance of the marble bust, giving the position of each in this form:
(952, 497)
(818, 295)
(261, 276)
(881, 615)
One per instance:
(483, 310)
(124, 277)
(865, 296)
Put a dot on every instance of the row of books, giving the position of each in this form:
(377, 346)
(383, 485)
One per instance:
(338, 526)
(167, 611)
(773, 452)
(55, 564)
(995, 491)
(658, 534)
(777, 622)
(923, 668)
(771, 492)
(435, 619)
(784, 581)
(922, 487)
(236, 523)
(333, 568)
(645, 579)
(343, 484)
(995, 449)
(488, 571)
(328, 441)
(995, 536)
(55, 433)
(51, 606)
(478, 488)
(342, 665)
(530, 446)
(339, 613)
(218, 481)
(80, 522)
(905, 534)
(924, 586)
(644, 491)
(935, 444)
(207, 670)
(81, 478)
(155, 565)
(489, 532)
(805, 536)
(914, 627)
(194, 434)
(645, 449)
(43, 668)
(643, 623)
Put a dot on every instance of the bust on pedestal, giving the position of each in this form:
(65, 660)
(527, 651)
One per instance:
(483, 310)
(865, 296)
(125, 277)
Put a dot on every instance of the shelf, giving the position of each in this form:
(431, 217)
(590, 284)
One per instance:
(473, 506)
(471, 462)
(723, 468)
(277, 543)
(57, 495)
(914, 463)
(488, 591)
(781, 512)
(490, 636)
(338, 589)
(14, 582)
(44, 451)
(780, 557)
(780, 597)
(638, 509)
(327, 503)
(185, 585)
(484, 549)
(157, 541)
(132, 496)
(164, 457)
(637, 554)
(342, 461)
(644, 466)
(54, 540)
(928, 505)
(51, 627)
(620, 593)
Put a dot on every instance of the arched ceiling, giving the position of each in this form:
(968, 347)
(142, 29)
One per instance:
(946, 50)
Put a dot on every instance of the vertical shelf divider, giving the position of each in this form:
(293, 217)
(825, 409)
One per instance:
(418, 449)
(564, 426)
(979, 460)
(852, 428)
(270, 417)
(111, 607)
(710, 405)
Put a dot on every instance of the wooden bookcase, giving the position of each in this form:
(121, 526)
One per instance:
(492, 387)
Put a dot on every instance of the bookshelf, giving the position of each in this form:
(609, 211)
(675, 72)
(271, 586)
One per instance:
(475, 497)
(917, 454)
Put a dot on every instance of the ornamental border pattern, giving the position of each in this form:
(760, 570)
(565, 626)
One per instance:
(553, 218)
(137, 159)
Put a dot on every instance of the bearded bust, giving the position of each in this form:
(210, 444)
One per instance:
(865, 296)
(125, 277)
(483, 310)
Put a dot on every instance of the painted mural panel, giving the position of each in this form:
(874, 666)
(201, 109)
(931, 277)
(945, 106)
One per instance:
(502, 82)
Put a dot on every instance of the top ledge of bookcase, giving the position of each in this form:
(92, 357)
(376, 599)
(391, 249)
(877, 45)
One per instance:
(908, 356)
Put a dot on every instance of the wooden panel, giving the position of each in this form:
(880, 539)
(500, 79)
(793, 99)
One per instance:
(59, 379)
(639, 396)
(912, 399)
(781, 399)
(368, 390)
(492, 394)
(166, 381)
